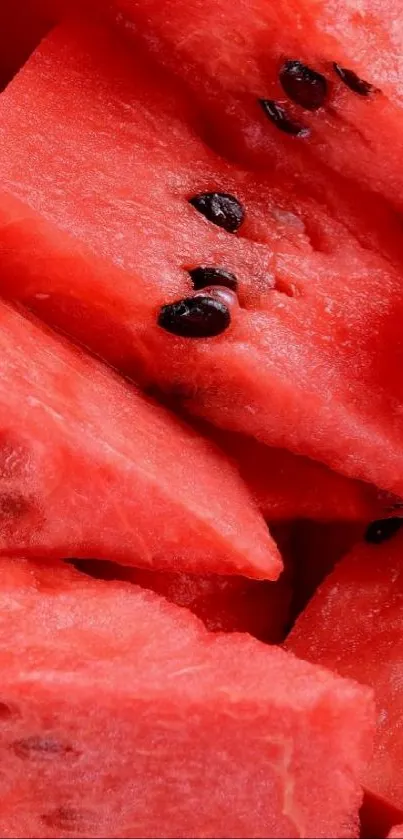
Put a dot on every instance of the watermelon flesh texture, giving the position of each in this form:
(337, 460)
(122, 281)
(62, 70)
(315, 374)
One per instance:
(114, 702)
(396, 832)
(353, 626)
(224, 604)
(230, 58)
(89, 466)
(80, 216)
(287, 486)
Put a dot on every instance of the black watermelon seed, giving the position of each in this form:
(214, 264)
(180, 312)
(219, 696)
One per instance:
(280, 118)
(41, 748)
(195, 317)
(353, 81)
(380, 531)
(205, 276)
(222, 209)
(306, 87)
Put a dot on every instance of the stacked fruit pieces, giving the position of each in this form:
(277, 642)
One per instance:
(174, 198)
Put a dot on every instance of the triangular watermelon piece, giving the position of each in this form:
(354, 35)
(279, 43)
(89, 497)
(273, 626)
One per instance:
(332, 70)
(353, 625)
(114, 704)
(287, 486)
(90, 467)
(224, 604)
(96, 231)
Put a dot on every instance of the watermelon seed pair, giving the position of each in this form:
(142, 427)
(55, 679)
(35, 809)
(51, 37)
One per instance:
(207, 313)
(304, 86)
(308, 89)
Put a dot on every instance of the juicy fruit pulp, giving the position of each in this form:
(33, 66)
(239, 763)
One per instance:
(353, 626)
(224, 604)
(231, 58)
(116, 741)
(86, 469)
(78, 225)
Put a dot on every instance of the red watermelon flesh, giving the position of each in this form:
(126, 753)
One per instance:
(230, 58)
(353, 626)
(288, 486)
(224, 604)
(84, 243)
(90, 466)
(396, 832)
(122, 717)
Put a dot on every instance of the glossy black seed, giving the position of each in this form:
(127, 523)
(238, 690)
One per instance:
(195, 317)
(205, 276)
(280, 118)
(222, 209)
(306, 87)
(353, 81)
(380, 531)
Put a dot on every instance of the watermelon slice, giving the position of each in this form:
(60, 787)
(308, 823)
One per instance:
(224, 604)
(328, 70)
(80, 216)
(353, 626)
(287, 486)
(114, 702)
(91, 467)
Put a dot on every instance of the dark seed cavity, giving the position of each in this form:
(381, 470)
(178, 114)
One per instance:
(205, 276)
(222, 209)
(306, 87)
(382, 530)
(352, 81)
(195, 317)
(280, 118)
(40, 748)
(71, 820)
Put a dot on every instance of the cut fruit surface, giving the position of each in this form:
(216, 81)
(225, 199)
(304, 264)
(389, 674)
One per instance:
(89, 466)
(224, 604)
(114, 702)
(287, 486)
(353, 626)
(328, 74)
(311, 360)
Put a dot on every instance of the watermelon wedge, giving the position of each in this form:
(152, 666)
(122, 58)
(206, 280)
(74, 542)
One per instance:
(80, 216)
(328, 70)
(287, 486)
(224, 604)
(353, 626)
(114, 702)
(90, 467)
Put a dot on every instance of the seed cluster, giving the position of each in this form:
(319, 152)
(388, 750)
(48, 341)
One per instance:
(208, 312)
(308, 89)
